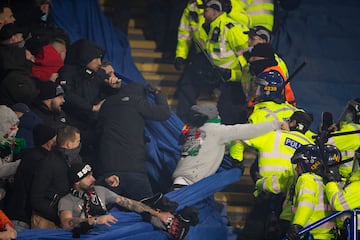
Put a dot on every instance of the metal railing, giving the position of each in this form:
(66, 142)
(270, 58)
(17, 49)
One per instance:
(352, 234)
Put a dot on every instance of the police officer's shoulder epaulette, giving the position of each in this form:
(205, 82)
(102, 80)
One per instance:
(229, 25)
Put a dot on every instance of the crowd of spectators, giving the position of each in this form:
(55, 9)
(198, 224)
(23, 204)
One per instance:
(60, 105)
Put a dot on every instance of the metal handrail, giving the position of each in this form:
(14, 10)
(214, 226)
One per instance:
(353, 223)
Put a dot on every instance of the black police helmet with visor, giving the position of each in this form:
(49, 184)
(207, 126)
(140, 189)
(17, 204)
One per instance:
(268, 86)
(332, 158)
(309, 158)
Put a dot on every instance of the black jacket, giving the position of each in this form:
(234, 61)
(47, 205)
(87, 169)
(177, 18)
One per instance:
(49, 185)
(19, 204)
(121, 126)
(16, 83)
(82, 86)
(52, 119)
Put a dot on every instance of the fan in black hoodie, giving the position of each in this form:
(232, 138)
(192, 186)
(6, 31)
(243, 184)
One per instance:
(121, 126)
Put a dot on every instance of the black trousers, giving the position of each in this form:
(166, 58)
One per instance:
(199, 76)
(263, 220)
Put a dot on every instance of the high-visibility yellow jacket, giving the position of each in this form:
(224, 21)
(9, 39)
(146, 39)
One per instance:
(275, 151)
(347, 144)
(311, 205)
(224, 50)
(261, 13)
(192, 20)
(238, 12)
(190, 28)
(269, 111)
(347, 198)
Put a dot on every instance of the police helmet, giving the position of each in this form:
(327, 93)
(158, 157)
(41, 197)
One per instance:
(332, 158)
(270, 86)
(309, 158)
(303, 121)
(332, 155)
(353, 111)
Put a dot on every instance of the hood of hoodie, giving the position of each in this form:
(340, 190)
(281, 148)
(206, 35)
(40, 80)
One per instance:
(7, 119)
(14, 58)
(82, 52)
(47, 62)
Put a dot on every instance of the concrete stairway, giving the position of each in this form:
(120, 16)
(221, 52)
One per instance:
(148, 61)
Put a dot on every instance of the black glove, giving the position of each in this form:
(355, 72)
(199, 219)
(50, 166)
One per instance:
(179, 63)
(190, 214)
(292, 232)
(151, 89)
(224, 72)
(331, 176)
(179, 226)
(83, 228)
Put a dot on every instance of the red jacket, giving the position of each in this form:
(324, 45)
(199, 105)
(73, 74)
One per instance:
(47, 62)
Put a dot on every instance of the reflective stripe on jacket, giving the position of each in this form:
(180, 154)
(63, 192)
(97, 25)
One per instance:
(190, 28)
(261, 13)
(269, 110)
(275, 151)
(231, 39)
(311, 205)
(347, 144)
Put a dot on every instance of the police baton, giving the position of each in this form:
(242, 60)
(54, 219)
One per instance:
(209, 61)
(297, 70)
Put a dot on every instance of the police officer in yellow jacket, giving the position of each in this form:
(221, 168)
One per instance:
(258, 34)
(310, 203)
(344, 198)
(274, 174)
(198, 76)
(269, 98)
(349, 143)
(261, 13)
(224, 40)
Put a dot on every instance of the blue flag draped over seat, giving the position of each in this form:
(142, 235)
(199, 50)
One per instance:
(84, 19)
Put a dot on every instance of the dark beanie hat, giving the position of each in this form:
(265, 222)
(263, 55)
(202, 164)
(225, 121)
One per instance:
(262, 50)
(9, 30)
(42, 134)
(49, 90)
(78, 171)
(82, 52)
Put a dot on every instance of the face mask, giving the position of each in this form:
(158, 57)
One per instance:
(44, 17)
(21, 44)
(73, 155)
(258, 66)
